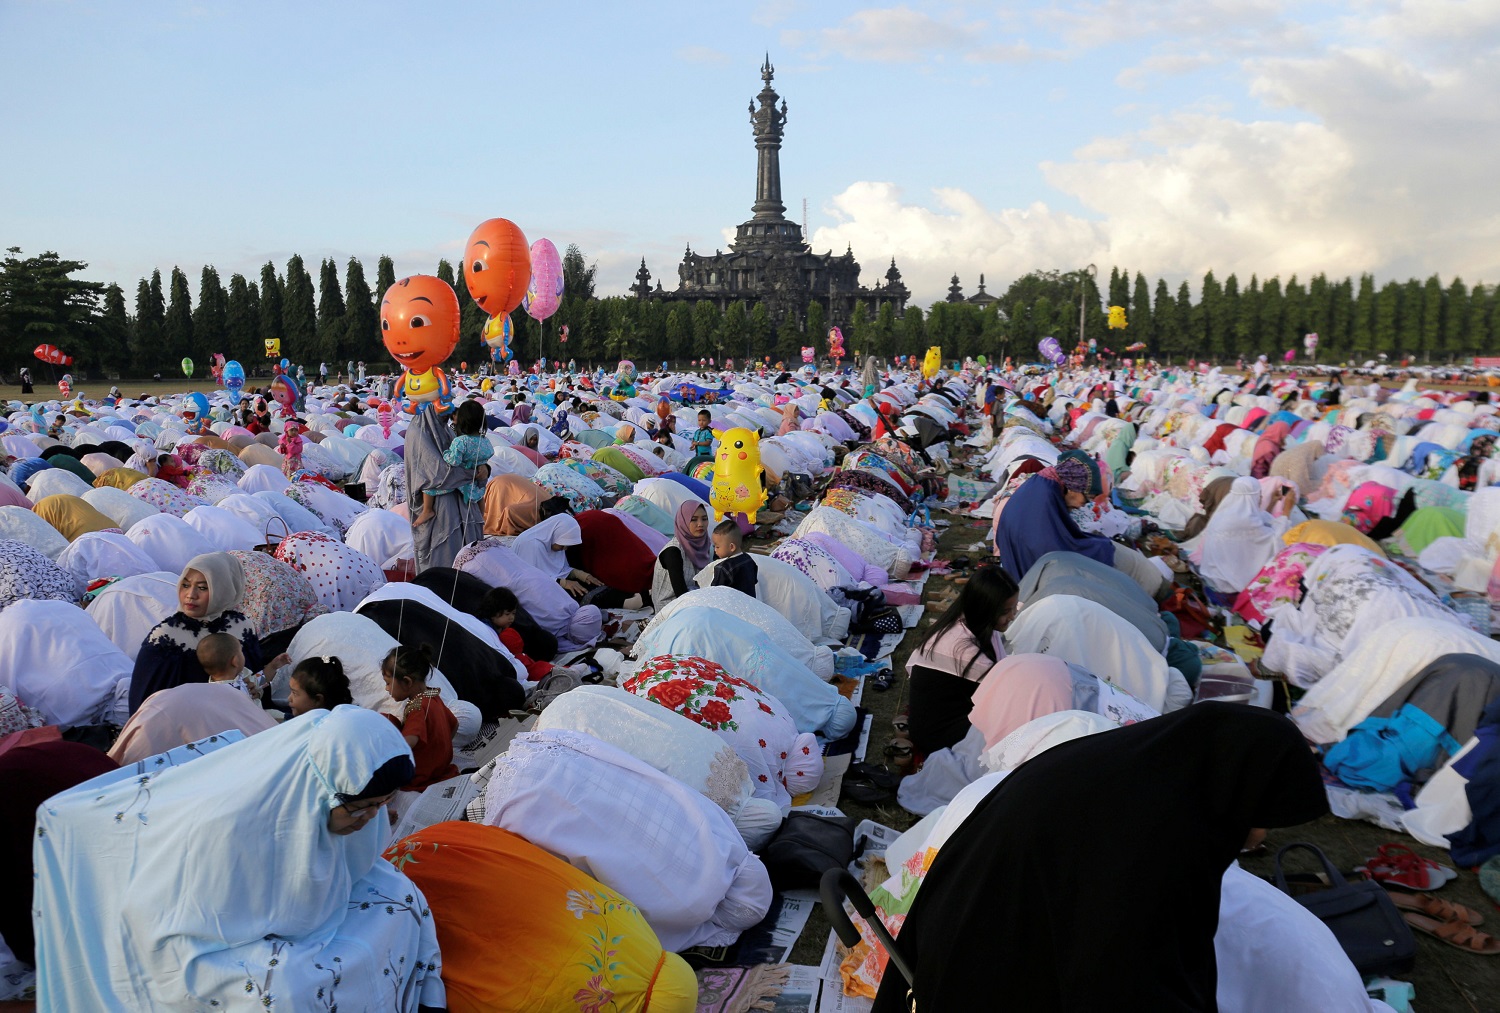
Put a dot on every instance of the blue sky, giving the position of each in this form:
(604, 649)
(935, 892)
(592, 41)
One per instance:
(1168, 137)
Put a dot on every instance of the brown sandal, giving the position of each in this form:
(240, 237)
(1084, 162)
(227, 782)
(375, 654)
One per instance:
(1455, 934)
(1443, 910)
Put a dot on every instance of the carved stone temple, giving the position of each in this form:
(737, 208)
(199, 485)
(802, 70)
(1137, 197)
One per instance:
(769, 262)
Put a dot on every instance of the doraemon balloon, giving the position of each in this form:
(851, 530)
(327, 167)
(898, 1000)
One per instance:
(195, 414)
(737, 486)
(234, 380)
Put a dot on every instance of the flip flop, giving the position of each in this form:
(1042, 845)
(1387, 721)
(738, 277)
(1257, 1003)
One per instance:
(1443, 910)
(878, 776)
(866, 793)
(1455, 934)
(882, 680)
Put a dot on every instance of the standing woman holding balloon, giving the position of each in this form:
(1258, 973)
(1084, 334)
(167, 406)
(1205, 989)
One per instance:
(419, 325)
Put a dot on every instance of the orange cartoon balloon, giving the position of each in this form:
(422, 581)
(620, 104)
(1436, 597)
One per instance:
(419, 325)
(497, 266)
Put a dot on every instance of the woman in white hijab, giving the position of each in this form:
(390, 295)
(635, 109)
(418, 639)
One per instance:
(184, 923)
(1089, 635)
(1240, 537)
(674, 853)
(545, 546)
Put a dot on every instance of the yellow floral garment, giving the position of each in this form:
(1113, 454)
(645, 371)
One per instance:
(522, 930)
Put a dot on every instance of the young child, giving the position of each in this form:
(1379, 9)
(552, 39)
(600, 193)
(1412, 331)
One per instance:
(500, 605)
(736, 569)
(224, 660)
(469, 450)
(703, 436)
(318, 683)
(426, 721)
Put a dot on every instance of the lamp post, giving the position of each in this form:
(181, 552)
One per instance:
(1083, 288)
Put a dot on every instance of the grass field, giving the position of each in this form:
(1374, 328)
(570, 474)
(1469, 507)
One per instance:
(1447, 980)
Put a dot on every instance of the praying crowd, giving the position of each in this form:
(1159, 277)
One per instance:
(248, 646)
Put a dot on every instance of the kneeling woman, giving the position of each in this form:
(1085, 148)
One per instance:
(210, 593)
(1037, 520)
(957, 653)
(181, 882)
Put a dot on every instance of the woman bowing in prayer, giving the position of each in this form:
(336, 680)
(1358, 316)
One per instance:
(999, 913)
(545, 546)
(145, 899)
(209, 594)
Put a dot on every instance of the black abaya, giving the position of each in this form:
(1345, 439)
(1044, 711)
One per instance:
(1089, 879)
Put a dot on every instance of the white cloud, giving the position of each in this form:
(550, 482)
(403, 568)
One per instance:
(958, 236)
(903, 35)
(770, 13)
(894, 34)
(1386, 165)
(702, 54)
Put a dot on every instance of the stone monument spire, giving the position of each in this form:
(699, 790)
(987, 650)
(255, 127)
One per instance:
(767, 123)
(768, 227)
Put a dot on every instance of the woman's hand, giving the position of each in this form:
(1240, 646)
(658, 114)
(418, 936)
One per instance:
(276, 664)
(573, 588)
(587, 579)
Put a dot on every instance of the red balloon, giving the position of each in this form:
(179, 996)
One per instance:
(51, 354)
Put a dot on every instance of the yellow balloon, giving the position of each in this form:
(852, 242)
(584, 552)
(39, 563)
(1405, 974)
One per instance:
(933, 362)
(737, 486)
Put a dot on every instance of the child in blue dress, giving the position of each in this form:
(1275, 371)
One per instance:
(469, 450)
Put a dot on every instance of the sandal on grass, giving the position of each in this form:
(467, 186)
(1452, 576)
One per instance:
(900, 752)
(1443, 910)
(1398, 865)
(878, 776)
(1456, 934)
(866, 793)
(882, 680)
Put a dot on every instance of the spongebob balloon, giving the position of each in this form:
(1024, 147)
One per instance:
(737, 486)
(932, 362)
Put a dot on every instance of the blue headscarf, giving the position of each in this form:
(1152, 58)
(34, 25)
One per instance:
(1036, 522)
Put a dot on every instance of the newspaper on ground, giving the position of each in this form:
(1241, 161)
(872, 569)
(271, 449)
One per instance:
(438, 803)
(831, 997)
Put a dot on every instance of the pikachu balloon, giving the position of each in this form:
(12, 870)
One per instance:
(932, 363)
(737, 486)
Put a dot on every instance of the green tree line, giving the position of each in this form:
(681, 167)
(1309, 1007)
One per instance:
(335, 318)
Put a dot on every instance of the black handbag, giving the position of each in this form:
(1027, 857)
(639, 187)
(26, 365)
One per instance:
(1361, 915)
(806, 846)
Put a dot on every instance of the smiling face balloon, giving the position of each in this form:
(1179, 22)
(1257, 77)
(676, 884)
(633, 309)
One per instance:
(497, 266)
(736, 486)
(419, 325)
(419, 322)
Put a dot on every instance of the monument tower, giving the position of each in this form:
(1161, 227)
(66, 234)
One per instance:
(769, 262)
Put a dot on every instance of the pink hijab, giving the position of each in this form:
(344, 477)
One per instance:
(1018, 689)
(700, 552)
(195, 710)
(788, 419)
